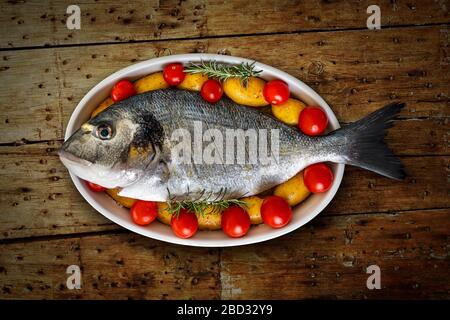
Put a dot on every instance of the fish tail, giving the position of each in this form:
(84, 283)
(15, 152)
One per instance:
(363, 146)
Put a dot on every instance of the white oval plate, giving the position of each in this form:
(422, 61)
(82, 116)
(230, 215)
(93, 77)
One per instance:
(302, 213)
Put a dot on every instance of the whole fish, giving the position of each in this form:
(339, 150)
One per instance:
(171, 144)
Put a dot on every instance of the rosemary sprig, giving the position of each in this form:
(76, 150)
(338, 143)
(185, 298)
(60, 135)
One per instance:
(216, 202)
(222, 72)
(200, 207)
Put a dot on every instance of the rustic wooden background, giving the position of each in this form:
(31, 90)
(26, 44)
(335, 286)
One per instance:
(404, 227)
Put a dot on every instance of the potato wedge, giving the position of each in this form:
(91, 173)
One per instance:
(293, 191)
(164, 215)
(252, 95)
(253, 208)
(210, 219)
(151, 82)
(124, 201)
(193, 81)
(102, 106)
(289, 111)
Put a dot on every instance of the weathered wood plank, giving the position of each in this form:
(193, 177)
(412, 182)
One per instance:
(123, 266)
(37, 23)
(420, 137)
(30, 103)
(328, 259)
(426, 186)
(38, 197)
(355, 71)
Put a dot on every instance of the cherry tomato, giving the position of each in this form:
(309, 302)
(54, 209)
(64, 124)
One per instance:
(184, 225)
(276, 212)
(122, 90)
(318, 177)
(312, 121)
(211, 91)
(276, 92)
(95, 187)
(144, 212)
(174, 74)
(235, 221)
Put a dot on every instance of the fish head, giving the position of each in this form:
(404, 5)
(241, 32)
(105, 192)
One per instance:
(112, 149)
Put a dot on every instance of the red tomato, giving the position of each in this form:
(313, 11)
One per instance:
(318, 177)
(184, 225)
(211, 91)
(276, 92)
(235, 221)
(276, 212)
(312, 121)
(95, 187)
(144, 212)
(174, 73)
(122, 90)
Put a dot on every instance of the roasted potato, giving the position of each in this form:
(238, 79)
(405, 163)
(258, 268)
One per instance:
(289, 111)
(124, 201)
(102, 106)
(293, 191)
(163, 213)
(253, 208)
(210, 219)
(250, 95)
(151, 82)
(193, 81)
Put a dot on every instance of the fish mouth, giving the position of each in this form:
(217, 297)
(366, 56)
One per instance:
(90, 171)
(69, 158)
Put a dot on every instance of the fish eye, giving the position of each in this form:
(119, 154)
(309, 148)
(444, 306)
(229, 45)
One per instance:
(104, 132)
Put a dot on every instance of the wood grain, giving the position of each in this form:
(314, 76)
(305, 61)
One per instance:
(426, 186)
(38, 23)
(379, 70)
(122, 266)
(38, 198)
(404, 227)
(326, 259)
(30, 104)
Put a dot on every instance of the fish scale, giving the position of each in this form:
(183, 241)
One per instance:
(223, 115)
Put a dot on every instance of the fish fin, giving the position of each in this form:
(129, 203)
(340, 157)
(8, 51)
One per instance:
(141, 191)
(364, 146)
(151, 187)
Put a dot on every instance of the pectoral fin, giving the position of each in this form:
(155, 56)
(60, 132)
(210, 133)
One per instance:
(151, 187)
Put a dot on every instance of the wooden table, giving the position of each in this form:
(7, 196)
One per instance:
(403, 227)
